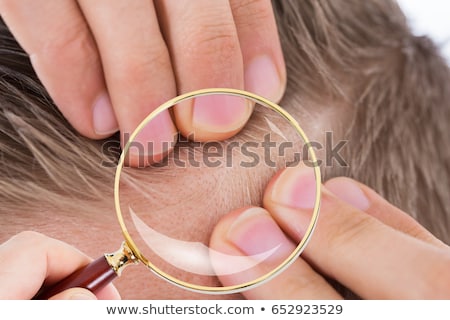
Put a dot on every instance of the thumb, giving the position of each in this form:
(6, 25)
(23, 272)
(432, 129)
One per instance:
(251, 233)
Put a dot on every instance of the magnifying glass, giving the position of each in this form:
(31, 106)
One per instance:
(165, 229)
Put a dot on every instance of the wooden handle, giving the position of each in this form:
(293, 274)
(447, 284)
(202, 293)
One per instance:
(93, 277)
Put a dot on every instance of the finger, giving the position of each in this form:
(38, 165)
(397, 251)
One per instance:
(65, 57)
(371, 258)
(264, 68)
(109, 292)
(52, 261)
(373, 204)
(251, 231)
(137, 68)
(74, 294)
(205, 52)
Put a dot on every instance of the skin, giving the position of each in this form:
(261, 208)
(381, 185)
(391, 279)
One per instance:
(349, 228)
(355, 222)
(88, 71)
(357, 230)
(52, 259)
(105, 79)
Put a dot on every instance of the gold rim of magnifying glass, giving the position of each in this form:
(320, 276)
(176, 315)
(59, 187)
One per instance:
(269, 275)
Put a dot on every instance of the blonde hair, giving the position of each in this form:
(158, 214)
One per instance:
(355, 57)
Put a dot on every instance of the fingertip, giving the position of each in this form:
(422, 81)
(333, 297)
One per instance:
(213, 117)
(94, 120)
(109, 292)
(247, 230)
(219, 236)
(263, 77)
(291, 197)
(349, 191)
(155, 140)
(293, 187)
(254, 231)
(74, 294)
(104, 119)
(250, 245)
(264, 65)
(251, 231)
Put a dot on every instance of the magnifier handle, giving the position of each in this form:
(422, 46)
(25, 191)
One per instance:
(93, 277)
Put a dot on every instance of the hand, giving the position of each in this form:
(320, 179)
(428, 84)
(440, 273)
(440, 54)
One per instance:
(361, 241)
(51, 261)
(108, 64)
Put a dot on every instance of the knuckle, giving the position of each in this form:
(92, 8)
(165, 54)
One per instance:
(417, 231)
(349, 228)
(254, 11)
(72, 46)
(414, 230)
(138, 66)
(217, 41)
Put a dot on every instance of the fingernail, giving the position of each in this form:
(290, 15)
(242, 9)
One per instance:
(220, 113)
(348, 191)
(156, 138)
(295, 187)
(262, 78)
(104, 118)
(254, 232)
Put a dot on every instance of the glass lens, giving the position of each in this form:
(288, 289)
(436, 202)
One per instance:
(170, 193)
